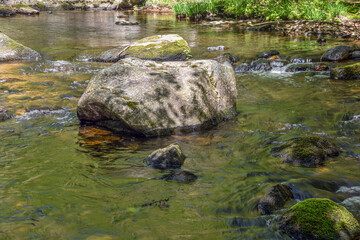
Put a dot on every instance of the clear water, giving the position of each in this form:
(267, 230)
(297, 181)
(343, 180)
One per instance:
(61, 181)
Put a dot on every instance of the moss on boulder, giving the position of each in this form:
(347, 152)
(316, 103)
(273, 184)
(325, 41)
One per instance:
(346, 72)
(308, 151)
(24, 9)
(6, 11)
(319, 219)
(12, 50)
(170, 47)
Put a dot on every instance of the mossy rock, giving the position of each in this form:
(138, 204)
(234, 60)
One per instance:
(12, 50)
(6, 11)
(346, 72)
(24, 9)
(170, 157)
(169, 47)
(308, 151)
(319, 219)
(338, 53)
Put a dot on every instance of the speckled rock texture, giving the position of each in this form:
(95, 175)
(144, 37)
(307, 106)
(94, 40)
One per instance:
(11, 50)
(149, 98)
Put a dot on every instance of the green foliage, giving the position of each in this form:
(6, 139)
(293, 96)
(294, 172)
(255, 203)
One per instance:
(268, 9)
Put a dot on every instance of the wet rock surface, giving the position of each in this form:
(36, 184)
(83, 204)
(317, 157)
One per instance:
(150, 98)
(353, 205)
(170, 157)
(275, 199)
(319, 219)
(350, 191)
(5, 115)
(12, 50)
(268, 54)
(169, 47)
(181, 176)
(338, 53)
(24, 9)
(308, 151)
(126, 22)
(347, 72)
(6, 11)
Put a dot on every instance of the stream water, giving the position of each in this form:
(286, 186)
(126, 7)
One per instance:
(62, 181)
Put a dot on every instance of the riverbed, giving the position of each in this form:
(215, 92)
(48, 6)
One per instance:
(60, 180)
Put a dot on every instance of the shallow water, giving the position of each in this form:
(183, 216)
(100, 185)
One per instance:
(62, 181)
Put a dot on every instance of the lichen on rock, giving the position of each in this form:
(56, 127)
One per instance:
(319, 219)
(169, 47)
(12, 50)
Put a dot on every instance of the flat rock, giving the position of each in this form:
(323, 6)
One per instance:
(169, 47)
(148, 98)
(338, 53)
(12, 50)
(170, 157)
(6, 11)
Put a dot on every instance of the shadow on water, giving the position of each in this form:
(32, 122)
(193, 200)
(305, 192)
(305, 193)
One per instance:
(60, 180)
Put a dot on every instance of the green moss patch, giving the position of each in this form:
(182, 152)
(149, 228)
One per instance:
(5, 8)
(22, 6)
(319, 219)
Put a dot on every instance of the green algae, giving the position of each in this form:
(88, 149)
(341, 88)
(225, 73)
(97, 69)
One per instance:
(346, 72)
(22, 6)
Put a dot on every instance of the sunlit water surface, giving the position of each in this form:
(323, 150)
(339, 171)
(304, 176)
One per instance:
(62, 181)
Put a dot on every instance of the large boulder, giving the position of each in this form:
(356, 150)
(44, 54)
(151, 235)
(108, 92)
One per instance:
(169, 47)
(170, 157)
(6, 11)
(148, 98)
(319, 219)
(12, 50)
(338, 53)
(346, 72)
(307, 151)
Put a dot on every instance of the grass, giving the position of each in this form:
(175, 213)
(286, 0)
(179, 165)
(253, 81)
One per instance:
(266, 9)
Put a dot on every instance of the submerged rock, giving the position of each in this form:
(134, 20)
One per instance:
(346, 72)
(226, 57)
(24, 9)
(170, 157)
(12, 50)
(5, 115)
(149, 98)
(182, 176)
(338, 53)
(351, 191)
(6, 11)
(275, 199)
(307, 67)
(126, 22)
(319, 219)
(309, 151)
(170, 47)
(353, 205)
(268, 54)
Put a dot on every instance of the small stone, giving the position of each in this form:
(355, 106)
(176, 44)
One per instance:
(226, 57)
(268, 54)
(170, 157)
(275, 199)
(217, 48)
(5, 115)
(308, 151)
(182, 176)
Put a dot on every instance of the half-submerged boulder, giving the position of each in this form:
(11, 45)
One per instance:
(308, 151)
(148, 98)
(12, 50)
(170, 157)
(169, 47)
(347, 72)
(338, 53)
(180, 176)
(275, 199)
(6, 11)
(319, 219)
